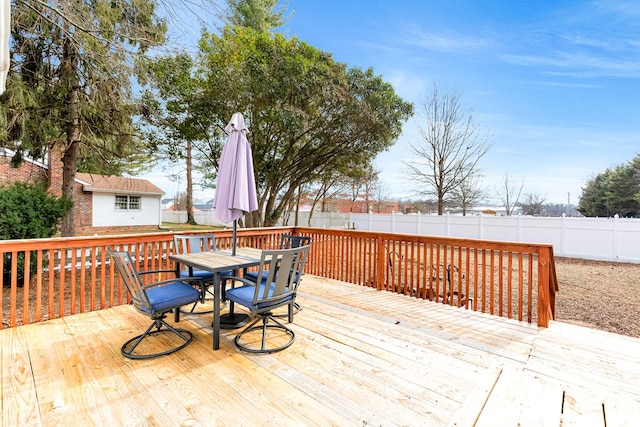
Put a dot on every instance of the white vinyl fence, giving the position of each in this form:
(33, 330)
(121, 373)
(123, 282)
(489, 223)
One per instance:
(606, 239)
(201, 217)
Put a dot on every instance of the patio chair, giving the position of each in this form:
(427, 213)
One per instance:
(276, 290)
(155, 300)
(287, 241)
(194, 243)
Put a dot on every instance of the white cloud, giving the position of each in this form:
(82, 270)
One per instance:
(449, 43)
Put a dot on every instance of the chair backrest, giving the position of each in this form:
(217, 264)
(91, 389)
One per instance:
(126, 267)
(280, 286)
(193, 243)
(288, 241)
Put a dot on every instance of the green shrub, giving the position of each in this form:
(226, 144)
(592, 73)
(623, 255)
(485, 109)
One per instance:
(28, 212)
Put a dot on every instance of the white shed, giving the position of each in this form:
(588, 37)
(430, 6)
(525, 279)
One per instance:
(120, 201)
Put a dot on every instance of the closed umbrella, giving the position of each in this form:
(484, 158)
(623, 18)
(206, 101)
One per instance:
(236, 189)
(235, 192)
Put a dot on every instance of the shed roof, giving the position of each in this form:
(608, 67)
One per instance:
(117, 184)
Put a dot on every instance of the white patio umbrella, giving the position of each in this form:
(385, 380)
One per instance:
(236, 189)
(5, 33)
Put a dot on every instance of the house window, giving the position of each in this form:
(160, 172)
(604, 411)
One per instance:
(127, 203)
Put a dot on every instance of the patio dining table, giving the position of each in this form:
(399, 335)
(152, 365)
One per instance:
(216, 262)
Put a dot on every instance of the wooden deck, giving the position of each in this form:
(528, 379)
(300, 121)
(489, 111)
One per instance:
(361, 357)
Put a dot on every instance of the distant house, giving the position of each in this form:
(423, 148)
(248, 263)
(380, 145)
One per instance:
(204, 206)
(167, 203)
(121, 202)
(102, 202)
(360, 206)
(198, 205)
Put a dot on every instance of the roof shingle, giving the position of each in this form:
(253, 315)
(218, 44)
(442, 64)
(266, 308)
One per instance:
(117, 184)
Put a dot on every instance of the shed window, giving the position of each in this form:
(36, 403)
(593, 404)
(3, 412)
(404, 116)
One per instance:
(127, 203)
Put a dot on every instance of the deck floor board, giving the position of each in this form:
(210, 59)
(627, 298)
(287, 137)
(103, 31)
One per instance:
(361, 357)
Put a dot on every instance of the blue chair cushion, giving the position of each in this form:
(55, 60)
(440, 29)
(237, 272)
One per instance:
(167, 297)
(205, 275)
(243, 295)
(253, 276)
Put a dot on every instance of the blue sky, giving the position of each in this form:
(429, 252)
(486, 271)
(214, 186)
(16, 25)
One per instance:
(557, 83)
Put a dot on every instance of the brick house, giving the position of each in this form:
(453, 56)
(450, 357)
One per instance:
(102, 203)
(360, 206)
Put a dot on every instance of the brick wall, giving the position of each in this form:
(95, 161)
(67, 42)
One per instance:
(26, 172)
(83, 208)
(361, 206)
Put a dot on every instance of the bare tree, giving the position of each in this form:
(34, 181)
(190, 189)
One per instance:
(533, 204)
(380, 197)
(450, 149)
(509, 195)
(468, 193)
(362, 186)
(180, 201)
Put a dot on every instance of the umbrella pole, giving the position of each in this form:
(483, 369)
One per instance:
(234, 238)
(233, 320)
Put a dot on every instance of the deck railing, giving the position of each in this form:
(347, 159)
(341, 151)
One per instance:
(48, 278)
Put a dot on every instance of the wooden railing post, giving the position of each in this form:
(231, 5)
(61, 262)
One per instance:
(380, 262)
(80, 263)
(545, 309)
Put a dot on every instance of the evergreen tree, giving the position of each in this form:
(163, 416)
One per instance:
(72, 85)
(614, 191)
(260, 15)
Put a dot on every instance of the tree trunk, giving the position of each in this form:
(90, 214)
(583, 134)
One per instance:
(297, 208)
(70, 158)
(440, 205)
(70, 161)
(190, 217)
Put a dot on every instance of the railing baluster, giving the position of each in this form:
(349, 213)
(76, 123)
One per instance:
(51, 264)
(103, 277)
(509, 285)
(39, 255)
(72, 272)
(25, 287)
(94, 273)
(460, 272)
(500, 273)
(520, 286)
(14, 286)
(467, 272)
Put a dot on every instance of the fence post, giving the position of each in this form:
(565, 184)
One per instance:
(563, 233)
(616, 234)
